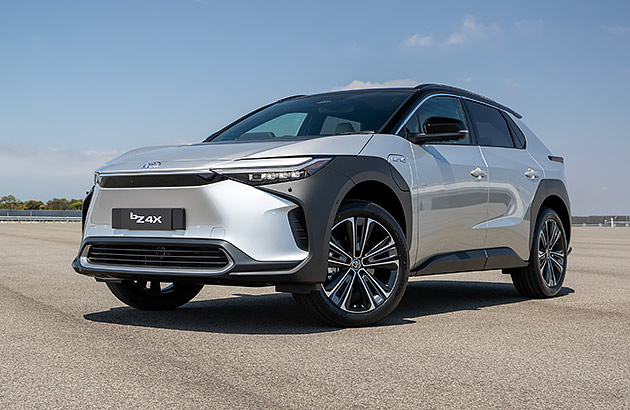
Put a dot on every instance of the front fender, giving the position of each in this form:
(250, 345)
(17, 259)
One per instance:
(320, 196)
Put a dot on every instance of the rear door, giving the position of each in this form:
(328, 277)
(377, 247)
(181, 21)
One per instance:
(513, 177)
(451, 202)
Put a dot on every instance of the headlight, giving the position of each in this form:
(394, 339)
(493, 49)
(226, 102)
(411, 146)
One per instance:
(269, 171)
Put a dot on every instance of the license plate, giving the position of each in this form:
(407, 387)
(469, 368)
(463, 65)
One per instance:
(149, 219)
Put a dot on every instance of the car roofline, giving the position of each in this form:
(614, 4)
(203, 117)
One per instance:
(441, 88)
(428, 88)
(414, 92)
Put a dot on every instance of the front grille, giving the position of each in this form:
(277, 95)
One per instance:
(207, 257)
(160, 180)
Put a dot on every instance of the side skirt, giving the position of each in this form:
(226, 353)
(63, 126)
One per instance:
(467, 261)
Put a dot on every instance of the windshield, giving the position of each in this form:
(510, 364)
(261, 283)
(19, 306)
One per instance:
(318, 115)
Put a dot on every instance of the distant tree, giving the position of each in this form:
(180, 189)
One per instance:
(10, 202)
(58, 204)
(75, 204)
(33, 205)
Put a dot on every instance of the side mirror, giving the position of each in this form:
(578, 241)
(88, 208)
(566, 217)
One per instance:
(440, 129)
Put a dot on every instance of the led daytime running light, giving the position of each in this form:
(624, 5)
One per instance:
(271, 175)
(275, 176)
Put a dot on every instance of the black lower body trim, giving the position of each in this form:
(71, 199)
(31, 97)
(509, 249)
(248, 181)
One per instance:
(473, 260)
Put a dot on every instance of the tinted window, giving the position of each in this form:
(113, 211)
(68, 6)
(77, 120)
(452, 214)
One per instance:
(517, 134)
(336, 125)
(448, 107)
(412, 126)
(287, 125)
(492, 130)
(319, 115)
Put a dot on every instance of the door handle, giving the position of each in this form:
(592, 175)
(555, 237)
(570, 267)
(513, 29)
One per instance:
(478, 173)
(531, 174)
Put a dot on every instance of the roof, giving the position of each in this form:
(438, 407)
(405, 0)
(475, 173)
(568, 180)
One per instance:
(432, 88)
(428, 88)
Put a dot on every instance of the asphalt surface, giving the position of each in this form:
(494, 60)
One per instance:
(456, 341)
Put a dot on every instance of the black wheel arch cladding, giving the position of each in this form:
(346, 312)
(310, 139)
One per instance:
(321, 194)
(551, 193)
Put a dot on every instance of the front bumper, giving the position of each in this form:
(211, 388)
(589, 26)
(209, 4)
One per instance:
(254, 221)
(252, 225)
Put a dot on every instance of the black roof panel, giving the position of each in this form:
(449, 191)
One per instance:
(435, 88)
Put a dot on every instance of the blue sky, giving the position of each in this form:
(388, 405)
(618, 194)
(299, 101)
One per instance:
(82, 81)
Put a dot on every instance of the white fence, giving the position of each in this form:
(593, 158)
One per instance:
(39, 216)
(612, 221)
(615, 224)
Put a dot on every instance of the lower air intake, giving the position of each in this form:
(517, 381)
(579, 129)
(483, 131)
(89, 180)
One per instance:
(210, 257)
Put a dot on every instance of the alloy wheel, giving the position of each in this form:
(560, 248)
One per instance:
(363, 265)
(551, 252)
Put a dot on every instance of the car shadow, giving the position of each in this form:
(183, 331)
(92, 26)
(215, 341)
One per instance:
(277, 313)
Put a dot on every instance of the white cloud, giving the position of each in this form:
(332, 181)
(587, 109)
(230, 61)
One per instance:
(619, 29)
(358, 84)
(455, 38)
(418, 40)
(469, 29)
(31, 172)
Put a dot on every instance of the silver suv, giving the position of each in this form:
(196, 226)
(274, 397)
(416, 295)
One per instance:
(336, 198)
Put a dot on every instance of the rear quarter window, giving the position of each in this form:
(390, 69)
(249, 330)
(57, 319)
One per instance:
(492, 129)
(517, 134)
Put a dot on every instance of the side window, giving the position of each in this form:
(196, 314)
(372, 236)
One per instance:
(517, 134)
(412, 126)
(442, 107)
(287, 125)
(492, 130)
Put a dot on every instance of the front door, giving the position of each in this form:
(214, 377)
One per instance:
(452, 190)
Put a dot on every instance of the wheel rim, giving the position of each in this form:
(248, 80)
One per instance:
(363, 265)
(551, 253)
(154, 287)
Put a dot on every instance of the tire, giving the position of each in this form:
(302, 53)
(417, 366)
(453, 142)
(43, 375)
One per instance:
(363, 287)
(544, 276)
(153, 295)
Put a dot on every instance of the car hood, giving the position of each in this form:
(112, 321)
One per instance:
(217, 154)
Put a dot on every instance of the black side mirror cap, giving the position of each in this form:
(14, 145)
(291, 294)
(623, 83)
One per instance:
(442, 125)
(441, 137)
(440, 129)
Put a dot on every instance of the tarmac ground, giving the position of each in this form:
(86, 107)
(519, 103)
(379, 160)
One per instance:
(456, 341)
